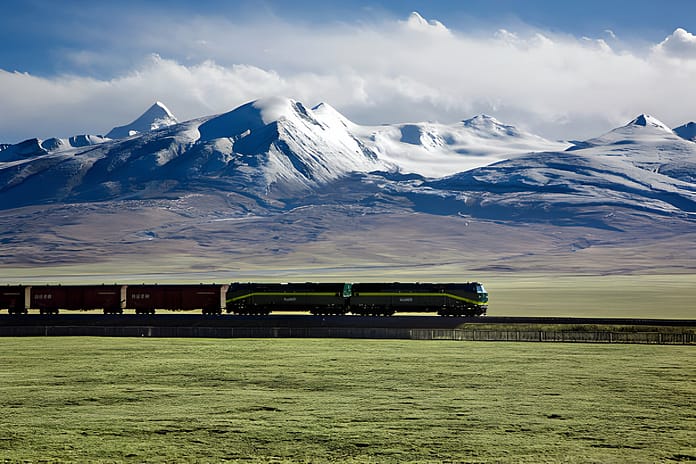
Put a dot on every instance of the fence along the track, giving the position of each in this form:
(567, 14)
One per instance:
(492, 335)
(657, 338)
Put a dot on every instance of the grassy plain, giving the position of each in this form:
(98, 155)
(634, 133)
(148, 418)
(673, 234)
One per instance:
(353, 401)
(631, 296)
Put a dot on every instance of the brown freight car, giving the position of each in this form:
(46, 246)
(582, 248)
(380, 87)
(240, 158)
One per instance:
(14, 298)
(145, 299)
(48, 299)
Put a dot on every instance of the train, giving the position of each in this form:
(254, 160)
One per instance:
(318, 298)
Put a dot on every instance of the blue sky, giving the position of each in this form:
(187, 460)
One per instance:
(37, 33)
(561, 69)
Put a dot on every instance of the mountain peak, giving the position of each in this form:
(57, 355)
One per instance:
(158, 110)
(156, 117)
(488, 124)
(252, 116)
(325, 108)
(481, 119)
(161, 105)
(330, 115)
(274, 109)
(645, 120)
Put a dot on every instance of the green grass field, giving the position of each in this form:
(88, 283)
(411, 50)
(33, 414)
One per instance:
(332, 400)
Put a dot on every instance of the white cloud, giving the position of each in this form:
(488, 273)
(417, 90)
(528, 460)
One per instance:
(392, 71)
(418, 23)
(680, 44)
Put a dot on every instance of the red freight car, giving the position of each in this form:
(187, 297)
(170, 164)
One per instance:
(48, 299)
(14, 298)
(145, 299)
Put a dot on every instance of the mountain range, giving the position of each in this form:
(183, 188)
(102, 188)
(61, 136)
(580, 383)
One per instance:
(275, 184)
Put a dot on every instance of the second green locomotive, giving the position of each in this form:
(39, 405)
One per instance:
(367, 299)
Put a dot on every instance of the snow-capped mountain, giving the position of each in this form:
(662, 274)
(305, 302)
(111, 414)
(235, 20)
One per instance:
(291, 145)
(436, 150)
(273, 147)
(156, 117)
(277, 149)
(649, 144)
(269, 146)
(642, 167)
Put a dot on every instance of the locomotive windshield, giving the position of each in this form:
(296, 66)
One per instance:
(481, 293)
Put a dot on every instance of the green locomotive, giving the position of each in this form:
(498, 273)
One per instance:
(373, 299)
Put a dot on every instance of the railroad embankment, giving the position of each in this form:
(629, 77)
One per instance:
(666, 332)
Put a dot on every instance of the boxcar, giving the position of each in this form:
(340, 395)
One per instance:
(262, 298)
(49, 299)
(14, 298)
(460, 299)
(145, 299)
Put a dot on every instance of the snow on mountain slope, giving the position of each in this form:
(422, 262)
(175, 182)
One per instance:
(290, 144)
(642, 166)
(76, 141)
(437, 150)
(156, 117)
(644, 129)
(36, 147)
(648, 144)
(428, 149)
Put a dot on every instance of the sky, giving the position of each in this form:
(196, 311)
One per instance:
(563, 70)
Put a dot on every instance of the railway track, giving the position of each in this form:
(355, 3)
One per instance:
(307, 321)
